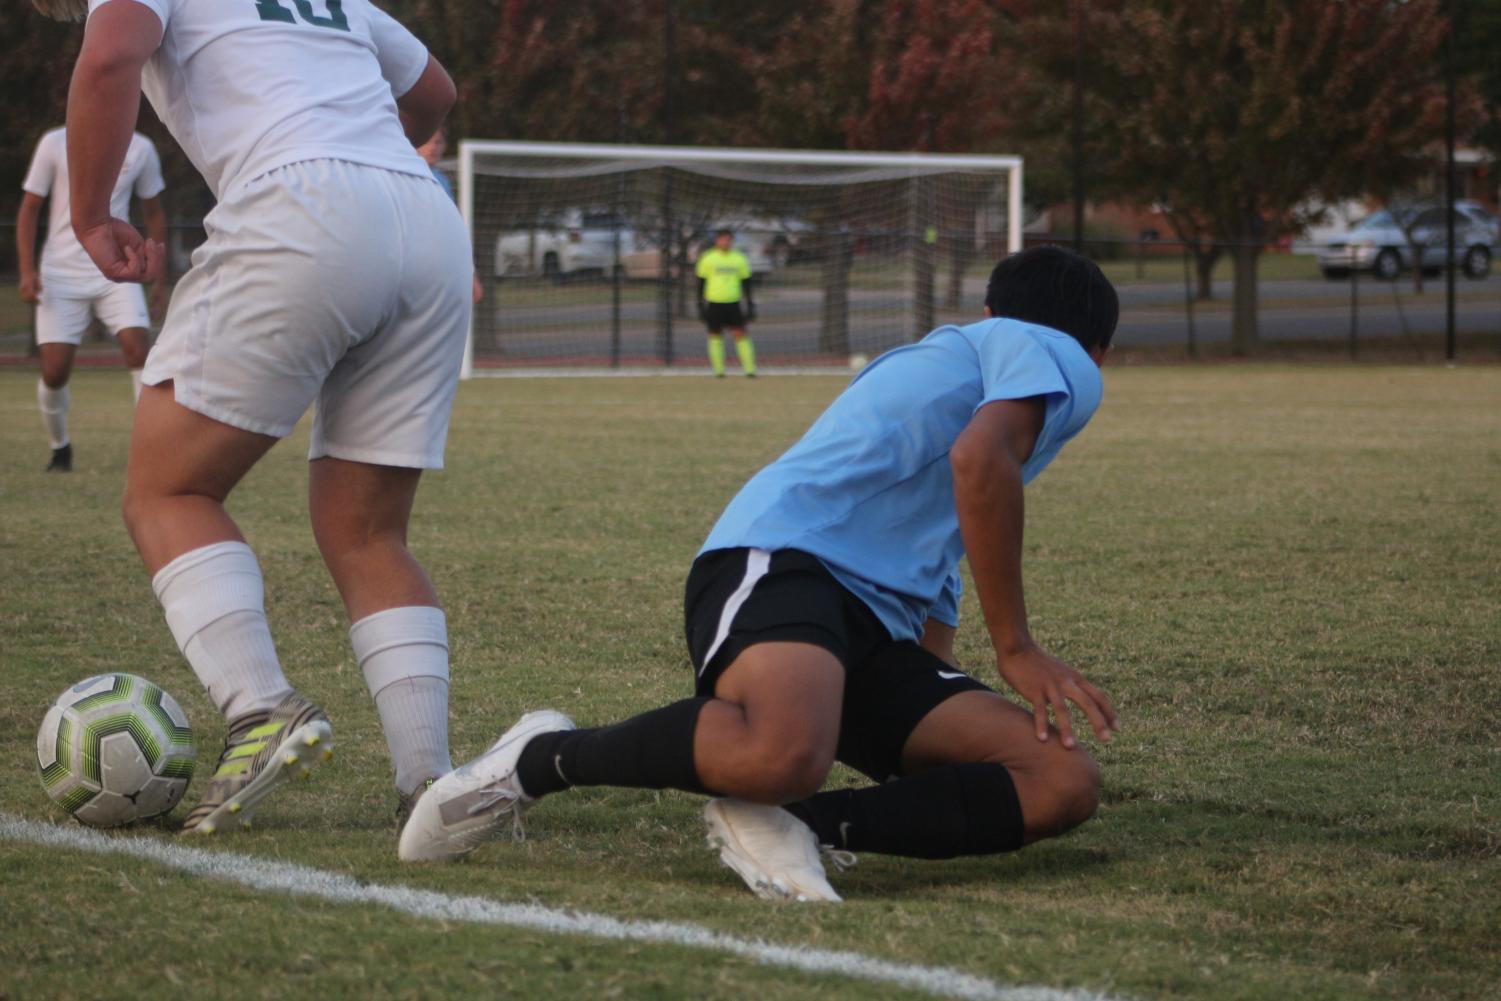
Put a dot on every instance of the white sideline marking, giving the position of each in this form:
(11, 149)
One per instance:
(649, 372)
(303, 881)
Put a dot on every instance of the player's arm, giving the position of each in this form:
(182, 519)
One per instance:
(703, 303)
(424, 107)
(103, 102)
(938, 639)
(154, 214)
(26, 219)
(747, 284)
(987, 464)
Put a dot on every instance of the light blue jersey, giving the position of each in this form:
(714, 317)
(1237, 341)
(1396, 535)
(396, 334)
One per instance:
(868, 489)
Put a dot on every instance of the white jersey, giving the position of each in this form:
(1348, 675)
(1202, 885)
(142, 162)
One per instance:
(246, 86)
(66, 269)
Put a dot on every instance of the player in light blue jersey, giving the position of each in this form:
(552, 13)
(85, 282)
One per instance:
(821, 615)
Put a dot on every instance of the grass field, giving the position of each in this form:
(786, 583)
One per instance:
(1288, 578)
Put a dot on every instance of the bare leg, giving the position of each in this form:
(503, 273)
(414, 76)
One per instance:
(975, 781)
(57, 364)
(181, 467)
(770, 733)
(53, 399)
(1058, 788)
(135, 342)
(360, 514)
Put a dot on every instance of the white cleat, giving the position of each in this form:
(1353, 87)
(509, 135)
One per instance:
(469, 806)
(774, 852)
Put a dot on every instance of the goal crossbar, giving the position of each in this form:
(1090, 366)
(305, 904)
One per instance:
(898, 164)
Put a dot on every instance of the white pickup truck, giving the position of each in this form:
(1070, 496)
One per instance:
(573, 242)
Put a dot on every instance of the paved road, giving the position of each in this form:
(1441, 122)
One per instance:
(533, 322)
(1151, 314)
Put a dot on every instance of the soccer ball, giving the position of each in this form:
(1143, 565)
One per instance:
(115, 748)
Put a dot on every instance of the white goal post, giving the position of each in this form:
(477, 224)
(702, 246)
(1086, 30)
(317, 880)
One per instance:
(585, 250)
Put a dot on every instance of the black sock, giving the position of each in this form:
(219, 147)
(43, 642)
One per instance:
(944, 812)
(650, 751)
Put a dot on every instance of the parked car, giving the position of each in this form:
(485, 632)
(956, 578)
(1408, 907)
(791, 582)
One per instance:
(1378, 244)
(766, 244)
(571, 242)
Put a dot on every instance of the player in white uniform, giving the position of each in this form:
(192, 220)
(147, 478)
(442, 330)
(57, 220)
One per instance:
(335, 270)
(68, 290)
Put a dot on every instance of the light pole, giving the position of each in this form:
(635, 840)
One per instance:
(1080, 12)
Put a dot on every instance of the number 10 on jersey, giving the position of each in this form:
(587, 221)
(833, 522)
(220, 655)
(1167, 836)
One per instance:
(273, 10)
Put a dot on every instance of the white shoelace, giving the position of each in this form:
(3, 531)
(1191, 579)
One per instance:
(841, 860)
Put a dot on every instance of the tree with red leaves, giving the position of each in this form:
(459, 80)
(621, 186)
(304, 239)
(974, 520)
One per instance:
(1236, 116)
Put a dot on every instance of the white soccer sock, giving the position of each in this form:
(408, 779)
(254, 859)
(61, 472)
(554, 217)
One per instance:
(404, 655)
(54, 405)
(135, 384)
(215, 603)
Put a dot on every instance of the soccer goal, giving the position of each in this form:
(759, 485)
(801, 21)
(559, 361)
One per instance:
(586, 251)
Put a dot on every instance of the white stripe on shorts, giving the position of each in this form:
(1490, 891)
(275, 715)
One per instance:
(757, 561)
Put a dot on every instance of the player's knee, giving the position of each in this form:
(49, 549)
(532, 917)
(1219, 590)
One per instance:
(1075, 780)
(132, 510)
(1080, 788)
(134, 349)
(787, 771)
(55, 376)
(1061, 796)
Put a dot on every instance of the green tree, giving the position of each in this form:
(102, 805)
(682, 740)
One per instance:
(34, 78)
(1235, 115)
(1478, 52)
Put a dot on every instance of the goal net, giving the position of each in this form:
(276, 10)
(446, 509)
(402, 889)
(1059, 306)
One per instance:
(586, 251)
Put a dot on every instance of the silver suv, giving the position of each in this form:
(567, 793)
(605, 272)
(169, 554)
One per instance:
(1378, 243)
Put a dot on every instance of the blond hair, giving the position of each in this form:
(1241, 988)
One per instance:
(63, 10)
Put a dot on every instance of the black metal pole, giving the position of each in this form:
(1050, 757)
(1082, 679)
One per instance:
(1354, 308)
(617, 272)
(1080, 7)
(1449, 193)
(669, 135)
(1188, 303)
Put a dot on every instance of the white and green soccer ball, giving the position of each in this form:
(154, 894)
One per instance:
(115, 748)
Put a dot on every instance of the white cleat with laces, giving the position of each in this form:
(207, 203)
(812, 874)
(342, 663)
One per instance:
(471, 804)
(774, 852)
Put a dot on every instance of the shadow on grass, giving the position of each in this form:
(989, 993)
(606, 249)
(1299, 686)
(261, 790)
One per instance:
(1243, 827)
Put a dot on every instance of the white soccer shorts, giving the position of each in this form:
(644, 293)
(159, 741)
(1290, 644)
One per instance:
(330, 281)
(65, 319)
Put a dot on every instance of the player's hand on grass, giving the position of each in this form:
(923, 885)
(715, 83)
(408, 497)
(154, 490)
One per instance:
(1046, 682)
(31, 288)
(122, 254)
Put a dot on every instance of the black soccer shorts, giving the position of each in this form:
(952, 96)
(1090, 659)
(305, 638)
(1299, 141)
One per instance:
(718, 315)
(737, 598)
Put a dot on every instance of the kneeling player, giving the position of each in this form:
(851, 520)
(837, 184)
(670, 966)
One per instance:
(821, 615)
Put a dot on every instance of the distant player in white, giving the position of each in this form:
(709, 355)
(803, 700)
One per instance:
(336, 270)
(68, 289)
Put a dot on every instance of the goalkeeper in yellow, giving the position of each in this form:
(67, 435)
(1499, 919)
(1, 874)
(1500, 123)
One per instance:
(724, 279)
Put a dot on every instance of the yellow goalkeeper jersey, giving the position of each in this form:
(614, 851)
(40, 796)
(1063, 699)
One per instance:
(723, 272)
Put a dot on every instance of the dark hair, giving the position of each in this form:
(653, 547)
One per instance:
(1057, 288)
(726, 231)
